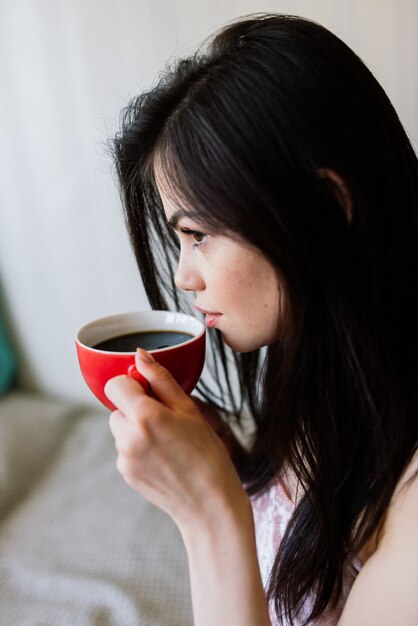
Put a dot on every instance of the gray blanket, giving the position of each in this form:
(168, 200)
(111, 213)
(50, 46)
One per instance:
(78, 547)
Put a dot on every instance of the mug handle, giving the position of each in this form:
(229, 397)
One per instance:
(133, 373)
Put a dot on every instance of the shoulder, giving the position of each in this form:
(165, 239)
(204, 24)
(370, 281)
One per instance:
(401, 521)
(385, 591)
(398, 532)
(404, 501)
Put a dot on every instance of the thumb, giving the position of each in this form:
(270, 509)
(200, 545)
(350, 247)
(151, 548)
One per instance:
(163, 385)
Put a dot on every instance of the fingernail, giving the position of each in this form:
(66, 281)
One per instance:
(145, 356)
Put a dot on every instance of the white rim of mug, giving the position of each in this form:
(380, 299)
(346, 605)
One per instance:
(100, 320)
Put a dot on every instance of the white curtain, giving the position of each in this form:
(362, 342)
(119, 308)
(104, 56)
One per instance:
(66, 69)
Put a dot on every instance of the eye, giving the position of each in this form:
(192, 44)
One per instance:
(198, 237)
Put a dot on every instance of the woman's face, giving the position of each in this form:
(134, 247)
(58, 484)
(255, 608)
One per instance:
(228, 277)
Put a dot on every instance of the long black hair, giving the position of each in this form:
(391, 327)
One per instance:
(244, 130)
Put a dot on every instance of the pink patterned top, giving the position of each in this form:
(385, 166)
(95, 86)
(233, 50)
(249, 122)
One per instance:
(272, 511)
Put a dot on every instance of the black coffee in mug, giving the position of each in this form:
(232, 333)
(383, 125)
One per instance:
(148, 340)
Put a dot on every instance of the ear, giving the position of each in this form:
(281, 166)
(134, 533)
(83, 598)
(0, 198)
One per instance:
(341, 191)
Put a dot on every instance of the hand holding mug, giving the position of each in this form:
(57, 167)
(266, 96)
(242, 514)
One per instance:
(168, 452)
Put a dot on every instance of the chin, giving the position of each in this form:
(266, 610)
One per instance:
(240, 344)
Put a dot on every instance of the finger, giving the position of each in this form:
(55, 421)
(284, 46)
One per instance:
(124, 467)
(117, 423)
(128, 396)
(130, 439)
(163, 385)
(130, 473)
(128, 446)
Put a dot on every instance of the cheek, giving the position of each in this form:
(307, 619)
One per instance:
(242, 277)
(253, 287)
(233, 285)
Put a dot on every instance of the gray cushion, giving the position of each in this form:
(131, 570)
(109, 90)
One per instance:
(31, 429)
(83, 549)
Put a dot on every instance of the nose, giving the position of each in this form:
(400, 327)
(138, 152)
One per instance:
(187, 277)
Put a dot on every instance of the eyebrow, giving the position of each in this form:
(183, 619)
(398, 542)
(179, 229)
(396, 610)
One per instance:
(174, 219)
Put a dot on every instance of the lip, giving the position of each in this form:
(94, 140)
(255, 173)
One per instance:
(207, 312)
(212, 320)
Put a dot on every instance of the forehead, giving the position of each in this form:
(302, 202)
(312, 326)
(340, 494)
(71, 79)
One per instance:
(174, 206)
(168, 204)
(166, 191)
(177, 204)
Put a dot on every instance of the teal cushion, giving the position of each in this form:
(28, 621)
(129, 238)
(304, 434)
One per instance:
(7, 360)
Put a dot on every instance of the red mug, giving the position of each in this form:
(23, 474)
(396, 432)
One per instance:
(184, 360)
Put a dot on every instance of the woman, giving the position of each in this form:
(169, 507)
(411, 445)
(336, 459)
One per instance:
(269, 176)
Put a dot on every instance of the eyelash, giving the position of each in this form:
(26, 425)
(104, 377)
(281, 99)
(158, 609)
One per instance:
(194, 233)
